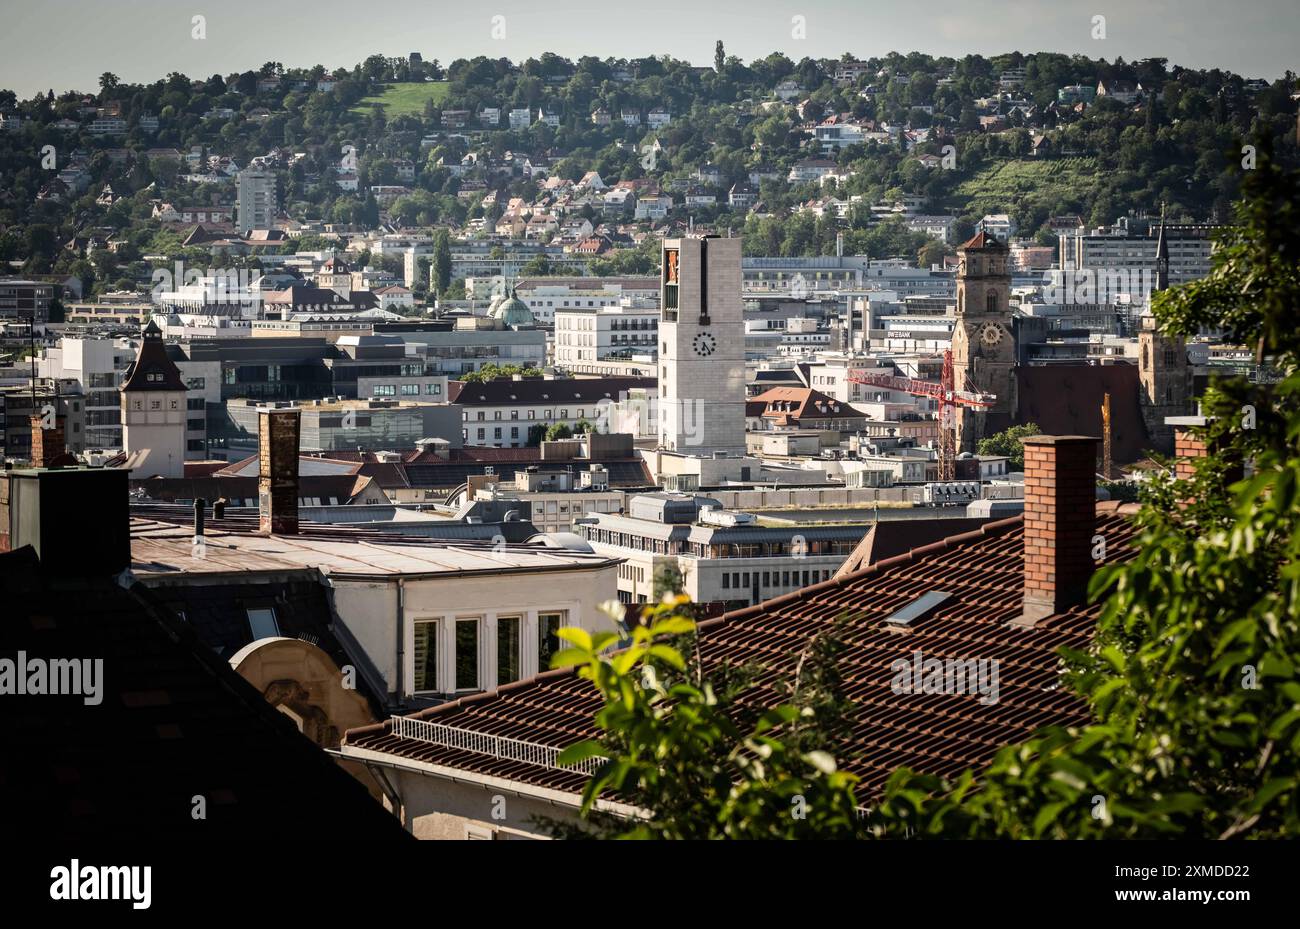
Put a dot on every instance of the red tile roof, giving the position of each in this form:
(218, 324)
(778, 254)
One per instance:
(803, 405)
(982, 239)
(938, 734)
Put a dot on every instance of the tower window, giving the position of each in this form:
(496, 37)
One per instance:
(991, 303)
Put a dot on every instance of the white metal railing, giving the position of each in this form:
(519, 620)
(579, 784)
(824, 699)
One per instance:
(484, 743)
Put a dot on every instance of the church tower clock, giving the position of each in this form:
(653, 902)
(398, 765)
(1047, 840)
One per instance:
(983, 344)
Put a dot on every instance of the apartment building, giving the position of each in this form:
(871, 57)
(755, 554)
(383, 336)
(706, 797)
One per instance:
(555, 498)
(724, 556)
(501, 412)
(610, 332)
(25, 300)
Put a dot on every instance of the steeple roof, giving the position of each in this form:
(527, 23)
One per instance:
(152, 369)
(982, 239)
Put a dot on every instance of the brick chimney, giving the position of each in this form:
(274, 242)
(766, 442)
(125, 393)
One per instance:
(47, 444)
(1187, 448)
(277, 471)
(1060, 521)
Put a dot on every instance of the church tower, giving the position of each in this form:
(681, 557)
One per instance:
(1162, 365)
(153, 410)
(983, 346)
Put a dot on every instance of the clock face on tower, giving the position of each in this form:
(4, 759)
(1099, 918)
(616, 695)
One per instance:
(990, 334)
(704, 344)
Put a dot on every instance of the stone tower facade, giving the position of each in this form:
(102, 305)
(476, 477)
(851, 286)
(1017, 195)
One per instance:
(983, 343)
(1162, 366)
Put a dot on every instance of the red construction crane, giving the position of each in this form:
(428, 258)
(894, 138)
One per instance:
(949, 399)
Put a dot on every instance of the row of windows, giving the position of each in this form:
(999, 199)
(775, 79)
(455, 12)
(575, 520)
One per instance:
(795, 548)
(739, 580)
(496, 433)
(467, 641)
(406, 390)
(497, 415)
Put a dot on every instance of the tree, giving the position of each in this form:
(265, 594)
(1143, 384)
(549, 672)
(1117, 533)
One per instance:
(1009, 442)
(441, 260)
(678, 747)
(719, 57)
(491, 371)
(536, 434)
(558, 431)
(1191, 678)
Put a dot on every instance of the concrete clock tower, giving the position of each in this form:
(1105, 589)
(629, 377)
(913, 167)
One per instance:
(702, 355)
(983, 345)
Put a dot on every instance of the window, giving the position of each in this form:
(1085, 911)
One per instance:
(383, 390)
(467, 654)
(433, 389)
(508, 640)
(548, 628)
(262, 624)
(409, 390)
(726, 581)
(155, 404)
(425, 655)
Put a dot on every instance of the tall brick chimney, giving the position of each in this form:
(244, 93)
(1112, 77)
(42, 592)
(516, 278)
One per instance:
(277, 471)
(47, 444)
(1060, 522)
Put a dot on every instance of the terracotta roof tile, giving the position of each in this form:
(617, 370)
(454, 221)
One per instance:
(934, 733)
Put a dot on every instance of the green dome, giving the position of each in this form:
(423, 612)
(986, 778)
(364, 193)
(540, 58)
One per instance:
(514, 312)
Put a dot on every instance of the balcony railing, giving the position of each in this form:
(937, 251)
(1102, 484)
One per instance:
(483, 743)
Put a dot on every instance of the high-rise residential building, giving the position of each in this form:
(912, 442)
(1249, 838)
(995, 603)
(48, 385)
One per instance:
(702, 348)
(257, 199)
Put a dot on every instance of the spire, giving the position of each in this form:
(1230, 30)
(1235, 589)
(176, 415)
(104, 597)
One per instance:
(1162, 256)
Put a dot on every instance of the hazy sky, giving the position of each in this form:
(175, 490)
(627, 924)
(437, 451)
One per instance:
(67, 44)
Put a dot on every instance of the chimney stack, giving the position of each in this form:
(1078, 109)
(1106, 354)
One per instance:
(1188, 447)
(47, 444)
(1060, 521)
(277, 471)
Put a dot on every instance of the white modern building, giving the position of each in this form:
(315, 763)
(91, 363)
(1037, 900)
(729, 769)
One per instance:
(621, 331)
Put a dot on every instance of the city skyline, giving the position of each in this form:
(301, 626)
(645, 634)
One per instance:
(149, 39)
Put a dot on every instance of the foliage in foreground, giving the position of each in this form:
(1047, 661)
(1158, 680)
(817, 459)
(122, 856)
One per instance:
(1192, 676)
(1191, 679)
(681, 752)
